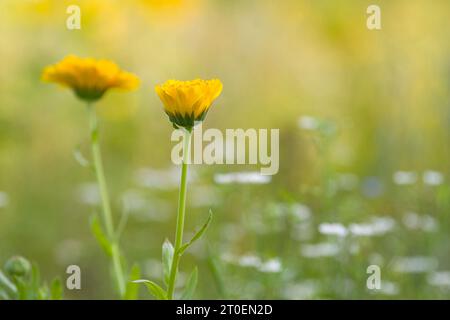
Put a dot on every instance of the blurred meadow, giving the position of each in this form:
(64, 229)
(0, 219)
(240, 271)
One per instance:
(364, 119)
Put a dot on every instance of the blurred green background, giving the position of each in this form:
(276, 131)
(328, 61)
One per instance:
(364, 119)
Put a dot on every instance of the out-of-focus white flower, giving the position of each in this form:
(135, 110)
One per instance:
(319, 250)
(414, 221)
(205, 196)
(439, 279)
(378, 226)
(334, 229)
(249, 261)
(145, 208)
(404, 177)
(89, 193)
(68, 251)
(301, 290)
(300, 211)
(271, 266)
(389, 288)
(4, 199)
(133, 200)
(308, 123)
(244, 177)
(416, 264)
(432, 178)
(164, 179)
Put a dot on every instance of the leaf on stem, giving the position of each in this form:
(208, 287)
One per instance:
(100, 235)
(167, 258)
(197, 235)
(191, 284)
(154, 289)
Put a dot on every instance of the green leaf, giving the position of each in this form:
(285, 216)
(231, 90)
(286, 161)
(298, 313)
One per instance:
(8, 287)
(191, 284)
(154, 289)
(167, 258)
(56, 289)
(4, 295)
(132, 290)
(197, 235)
(43, 293)
(33, 289)
(100, 235)
(25, 292)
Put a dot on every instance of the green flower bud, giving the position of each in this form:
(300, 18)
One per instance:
(17, 266)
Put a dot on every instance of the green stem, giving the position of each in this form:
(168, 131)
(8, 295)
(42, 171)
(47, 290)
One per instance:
(107, 216)
(181, 214)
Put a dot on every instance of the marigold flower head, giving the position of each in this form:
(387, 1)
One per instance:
(89, 78)
(187, 102)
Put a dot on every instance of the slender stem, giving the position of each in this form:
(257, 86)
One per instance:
(107, 216)
(181, 214)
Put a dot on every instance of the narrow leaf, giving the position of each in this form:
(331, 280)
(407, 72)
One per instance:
(197, 235)
(33, 288)
(43, 292)
(25, 291)
(7, 285)
(132, 289)
(167, 258)
(191, 284)
(56, 289)
(4, 295)
(154, 289)
(100, 235)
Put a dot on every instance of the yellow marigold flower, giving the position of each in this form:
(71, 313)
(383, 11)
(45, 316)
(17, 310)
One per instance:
(187, 102)
(89, 78)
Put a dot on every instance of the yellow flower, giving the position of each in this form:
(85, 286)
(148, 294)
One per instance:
(187, 102)
(89, 78)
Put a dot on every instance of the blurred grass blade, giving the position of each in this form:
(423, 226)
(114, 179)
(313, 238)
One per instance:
(9, 288)
(4, 295)
(100, 235)
(25, 292)
(216, 270)
(35, 284)
(197, 235)
(191, 284)
(154, 289)
(56, 289)
(132, 290)
(122, 223)
(167, 258)
(43, 293)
